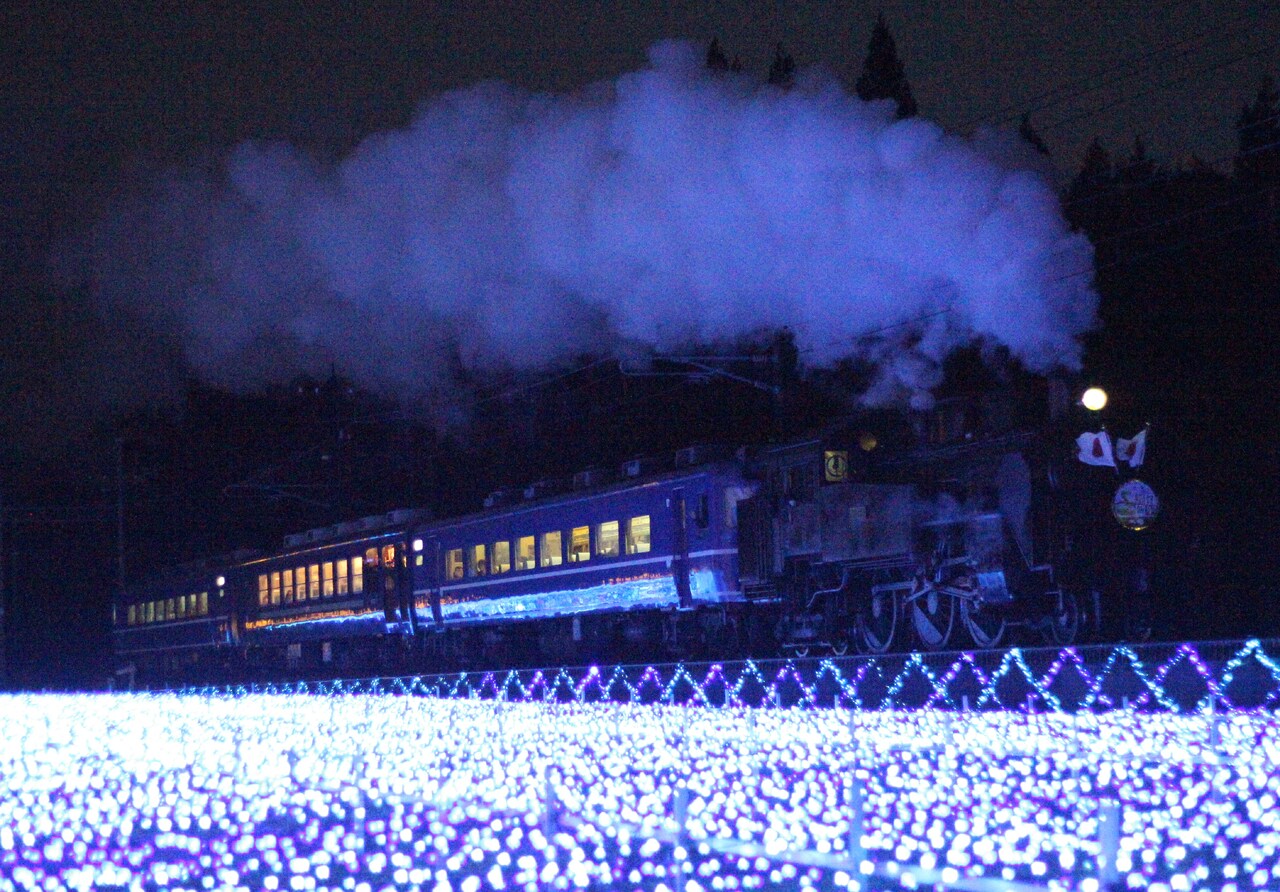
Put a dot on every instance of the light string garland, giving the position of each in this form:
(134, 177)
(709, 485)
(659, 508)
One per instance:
(1068, 681)
(364, 791)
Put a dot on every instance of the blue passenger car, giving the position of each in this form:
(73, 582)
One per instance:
(175, 620)
(640, 545)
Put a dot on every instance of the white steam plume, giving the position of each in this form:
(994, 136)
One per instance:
(503, 228)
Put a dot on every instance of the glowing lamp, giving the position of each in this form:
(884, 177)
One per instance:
(222, 580)
(1094, 399)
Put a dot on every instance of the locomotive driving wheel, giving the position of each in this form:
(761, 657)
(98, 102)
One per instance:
(933, 614)
(984, 622)
(877, 614)
(1062, 625)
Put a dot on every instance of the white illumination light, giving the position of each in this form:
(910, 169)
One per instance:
(359, 791)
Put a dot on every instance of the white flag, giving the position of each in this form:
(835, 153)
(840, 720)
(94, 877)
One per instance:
(1133, 451)
(1095, 449)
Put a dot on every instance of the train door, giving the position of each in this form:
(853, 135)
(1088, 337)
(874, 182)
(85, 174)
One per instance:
(680, 556)
(428, 577)
(395, 587)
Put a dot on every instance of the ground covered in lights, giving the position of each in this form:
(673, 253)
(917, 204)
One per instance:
(372, 792)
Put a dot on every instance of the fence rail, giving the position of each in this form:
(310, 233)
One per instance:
(1174, 678)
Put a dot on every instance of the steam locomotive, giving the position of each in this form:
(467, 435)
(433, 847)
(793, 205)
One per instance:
(891, 531)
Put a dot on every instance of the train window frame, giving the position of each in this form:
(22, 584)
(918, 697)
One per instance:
(275, 587)
(286, 585)
(603, 538)
(132, 614)
(326, 579)
(454, 565)
(496, 563)
(264, 590)
(576, 555)
(389, 556)
(313, 581)
(202, 604)
(633, 545)
(477, 560)
(546, 558)
(357, 575)
(341, 572)
(532, 557)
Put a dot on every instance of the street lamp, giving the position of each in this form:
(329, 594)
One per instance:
(1094, 399)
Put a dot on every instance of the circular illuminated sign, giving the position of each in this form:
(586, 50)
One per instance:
(1135, 505)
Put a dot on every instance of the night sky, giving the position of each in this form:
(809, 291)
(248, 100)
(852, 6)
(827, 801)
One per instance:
(94, 87)
(96, 91)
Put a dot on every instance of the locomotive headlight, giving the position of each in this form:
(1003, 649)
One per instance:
(1094, 399)
(222, 580)
(417, 545)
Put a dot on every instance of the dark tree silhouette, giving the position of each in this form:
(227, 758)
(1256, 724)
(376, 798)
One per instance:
(782, 71)
(1027, 132)
(716, 59)
(1258, 161)
(883, 76)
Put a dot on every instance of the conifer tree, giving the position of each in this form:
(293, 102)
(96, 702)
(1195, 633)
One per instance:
(1258, 132)
(782, 71)
(1258, 160)
(1027, 132)
(716, 59)
(883, 76)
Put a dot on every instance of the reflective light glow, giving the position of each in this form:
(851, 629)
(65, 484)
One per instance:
(352, 791)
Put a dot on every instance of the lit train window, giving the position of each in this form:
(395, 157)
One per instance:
(313, 580)
(151, 611)
(552, 553)
(525, 559)
(203, 605)
(133, 615)
(580, 544)
(389, 556)
(262, 590)
(479, 566)
(182, 607)
(638, 535)
(607, 539)
(327, 591)
(371, 558)
(275, 587)
(501, 557)
(344, 584)
(453, 564)
(286, 587)
(357, 575)
(170, 609)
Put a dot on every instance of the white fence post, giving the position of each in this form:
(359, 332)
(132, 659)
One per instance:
(857, 822)
(1109, 817)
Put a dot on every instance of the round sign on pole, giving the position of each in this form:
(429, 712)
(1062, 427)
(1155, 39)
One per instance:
(1135, 505)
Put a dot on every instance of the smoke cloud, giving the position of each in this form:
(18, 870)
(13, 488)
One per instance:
(670, 207)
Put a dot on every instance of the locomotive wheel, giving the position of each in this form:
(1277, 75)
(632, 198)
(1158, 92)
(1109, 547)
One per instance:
(877, 621)
(1062, 625)
(934, 616)
(984, 622)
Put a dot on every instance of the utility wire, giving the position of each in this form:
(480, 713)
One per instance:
(1117, 74)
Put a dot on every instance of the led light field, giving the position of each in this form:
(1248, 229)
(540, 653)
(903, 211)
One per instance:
(364, 792)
